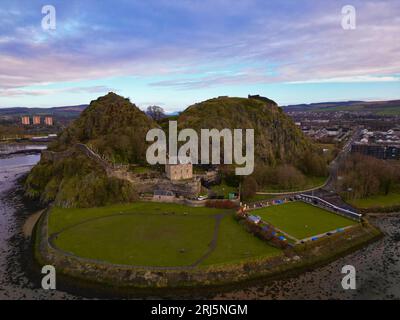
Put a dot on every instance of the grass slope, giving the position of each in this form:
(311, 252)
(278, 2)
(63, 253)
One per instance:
(236, 244)
(302, 220)
(309, 183)
(392, 199)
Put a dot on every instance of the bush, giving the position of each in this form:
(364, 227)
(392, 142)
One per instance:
(248, 188)
(76, 182)
(365, 176)
(223, 204)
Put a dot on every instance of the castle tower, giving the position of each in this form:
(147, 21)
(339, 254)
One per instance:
(179, 171)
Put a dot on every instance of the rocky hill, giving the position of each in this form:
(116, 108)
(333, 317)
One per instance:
(277, 139)
(280, 147)
(112, 126)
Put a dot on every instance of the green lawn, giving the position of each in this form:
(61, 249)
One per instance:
(153, 234)
(392, 199)
(302, 220)
(236, 244)
(310, 182)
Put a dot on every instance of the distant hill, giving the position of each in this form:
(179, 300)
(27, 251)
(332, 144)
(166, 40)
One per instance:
(66, 112)
(391, 107)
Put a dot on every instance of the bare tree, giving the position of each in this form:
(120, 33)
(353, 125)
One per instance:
(155, 112)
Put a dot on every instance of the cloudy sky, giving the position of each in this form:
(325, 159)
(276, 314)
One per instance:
(177, 52)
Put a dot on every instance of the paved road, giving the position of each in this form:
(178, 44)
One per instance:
(341, 157)
(329, 185)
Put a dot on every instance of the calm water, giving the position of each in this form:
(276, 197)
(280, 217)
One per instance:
(378, 265)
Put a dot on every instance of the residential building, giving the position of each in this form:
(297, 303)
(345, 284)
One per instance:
(48, 121)
(378, 151)
(25, 120)
(36, 120)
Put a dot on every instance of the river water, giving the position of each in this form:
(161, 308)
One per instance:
(377, 266)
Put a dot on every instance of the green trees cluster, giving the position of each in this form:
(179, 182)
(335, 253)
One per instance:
(277, 139)
(7, 131)
(363, 176)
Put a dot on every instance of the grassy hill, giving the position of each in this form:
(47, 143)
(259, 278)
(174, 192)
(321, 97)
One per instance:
(113, 126)
(67, 112)
(276, 136)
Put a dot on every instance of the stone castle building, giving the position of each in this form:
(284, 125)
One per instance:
(179, 171)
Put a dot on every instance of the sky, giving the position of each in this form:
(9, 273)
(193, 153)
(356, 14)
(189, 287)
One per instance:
(174, 53)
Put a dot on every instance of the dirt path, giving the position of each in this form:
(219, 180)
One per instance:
(214, 241)
(211, 247)
(29, 224)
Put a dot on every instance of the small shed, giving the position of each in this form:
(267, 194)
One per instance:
(254, 219)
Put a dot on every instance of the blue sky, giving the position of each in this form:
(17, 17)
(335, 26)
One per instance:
(174, 53)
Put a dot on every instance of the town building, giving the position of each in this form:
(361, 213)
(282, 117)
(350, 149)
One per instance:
(48, 121)
(25, 120)
(377, 151)
(379, 144)
(36, 120)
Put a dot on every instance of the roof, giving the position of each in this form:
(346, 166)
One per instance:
(255, 219)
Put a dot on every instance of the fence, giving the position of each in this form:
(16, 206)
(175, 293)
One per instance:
(327, 205)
